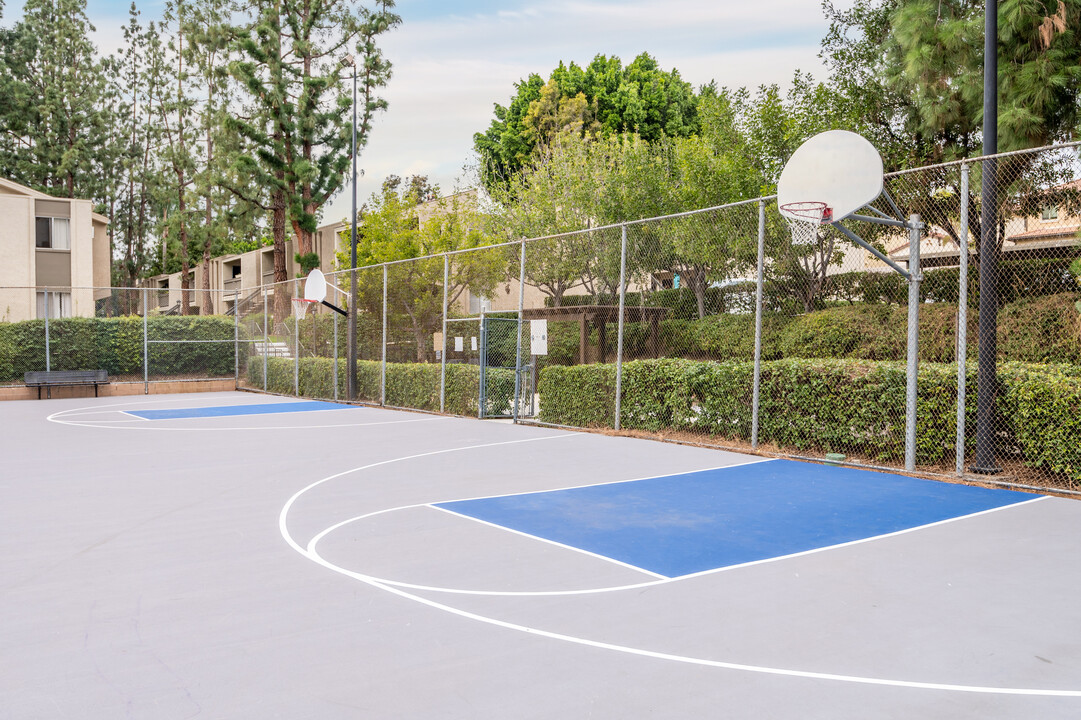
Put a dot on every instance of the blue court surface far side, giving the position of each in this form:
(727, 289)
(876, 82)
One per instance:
(695, 522)
(232, 410)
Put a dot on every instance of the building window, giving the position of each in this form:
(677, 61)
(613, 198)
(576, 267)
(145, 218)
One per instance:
(59, 304)
(53, 233)
(1049, 213)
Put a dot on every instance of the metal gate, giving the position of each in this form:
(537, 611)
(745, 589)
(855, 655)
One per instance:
(505, 390)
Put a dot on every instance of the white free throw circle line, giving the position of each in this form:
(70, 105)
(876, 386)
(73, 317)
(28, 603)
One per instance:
(759, 669)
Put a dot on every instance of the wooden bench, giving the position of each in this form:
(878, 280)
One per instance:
(58, 378)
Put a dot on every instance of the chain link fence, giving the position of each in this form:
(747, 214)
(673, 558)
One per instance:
(710, 327)
(133, 334)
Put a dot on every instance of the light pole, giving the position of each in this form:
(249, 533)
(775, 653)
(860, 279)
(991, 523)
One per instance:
(351, 341)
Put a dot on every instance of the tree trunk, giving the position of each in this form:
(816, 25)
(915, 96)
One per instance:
(277, 223)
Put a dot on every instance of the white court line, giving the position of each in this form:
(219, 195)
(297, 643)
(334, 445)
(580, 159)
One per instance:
(662, 579)
(564, 546)
(760, 669)
(152, 425)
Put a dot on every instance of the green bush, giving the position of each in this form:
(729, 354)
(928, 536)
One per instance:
(116, 346)
(1041, 329)
(824, 405)
(409, 385)
(731, 337)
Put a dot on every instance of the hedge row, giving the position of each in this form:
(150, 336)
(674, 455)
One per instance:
(847, 406)
(409, 385)
(1042, 329)
(116, 345)
(1017, 279)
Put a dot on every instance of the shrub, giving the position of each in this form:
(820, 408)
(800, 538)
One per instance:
(731, 337)
(409, 385)
(1041, 329)
(116, 346)
(826, 405)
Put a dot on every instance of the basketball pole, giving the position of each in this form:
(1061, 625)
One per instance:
(913, 371)
(351, 340)
(987, 380)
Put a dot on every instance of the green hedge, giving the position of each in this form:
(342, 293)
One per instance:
(847, 406)
(1038, 329)
(116, 346)
(409, 385)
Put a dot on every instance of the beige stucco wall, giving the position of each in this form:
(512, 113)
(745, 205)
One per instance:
(82, 259)
(17, 269)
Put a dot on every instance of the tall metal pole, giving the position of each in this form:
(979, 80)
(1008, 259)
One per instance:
(962, 323)
(383, 364)
(351, 341)
(146, 347)
(619, 336)
(759, 281)
(443, 354)
(266, 338)
(518, 350)
(48, 366)
(914, 238)
(236, 339)
(987, 380)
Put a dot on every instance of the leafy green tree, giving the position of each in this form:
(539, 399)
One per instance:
(603, 98)
(915, 68)
(404, 222)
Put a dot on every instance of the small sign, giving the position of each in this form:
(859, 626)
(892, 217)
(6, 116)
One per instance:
(538, 337)
(437, 341)
(459, 343)
(473, 342)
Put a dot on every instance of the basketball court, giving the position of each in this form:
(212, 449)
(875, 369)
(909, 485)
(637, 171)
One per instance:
(242, 555)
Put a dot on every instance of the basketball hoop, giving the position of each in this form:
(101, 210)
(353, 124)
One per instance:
(804, 219)
(300, 307)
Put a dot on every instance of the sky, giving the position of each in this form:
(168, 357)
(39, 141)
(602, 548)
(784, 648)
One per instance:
(454, 59)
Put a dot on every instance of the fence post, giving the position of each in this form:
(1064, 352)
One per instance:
(146, 346)
(483, 369)
(383, 368)
(914, 235)
(443, 354)
(757, 383)
(236, 339)
(335, 318)
(296, 348)
(266, 339)
(48, 367)
(518, 351)
(962, 322)
(619, 333)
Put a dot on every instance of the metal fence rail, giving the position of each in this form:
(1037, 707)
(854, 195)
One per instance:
(708, 326)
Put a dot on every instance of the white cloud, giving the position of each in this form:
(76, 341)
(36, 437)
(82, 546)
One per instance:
(449, 73)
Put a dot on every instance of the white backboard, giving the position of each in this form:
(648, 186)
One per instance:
(837, 167)
(315, 287)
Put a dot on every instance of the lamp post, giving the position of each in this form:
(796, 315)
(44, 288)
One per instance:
(351, 340)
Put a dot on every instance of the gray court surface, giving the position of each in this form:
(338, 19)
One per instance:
(291, 565)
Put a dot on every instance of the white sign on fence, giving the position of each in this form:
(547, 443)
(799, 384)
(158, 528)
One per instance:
(538, 337)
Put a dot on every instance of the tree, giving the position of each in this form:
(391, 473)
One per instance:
(404, 222)
(915, 68)
(299, 128)
(170, 75)
(604, 98)
(52, 85)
